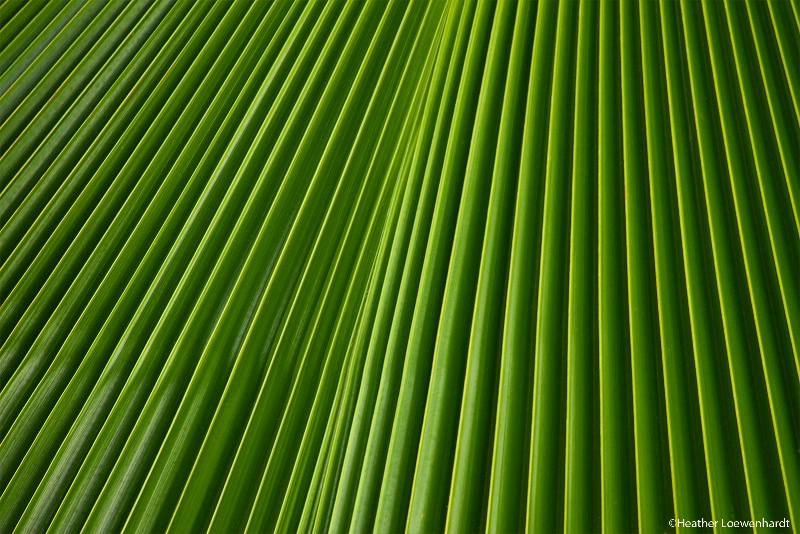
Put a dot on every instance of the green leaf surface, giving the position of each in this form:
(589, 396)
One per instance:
(390, 265)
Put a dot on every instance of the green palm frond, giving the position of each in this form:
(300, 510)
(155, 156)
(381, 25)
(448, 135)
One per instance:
(387, 265)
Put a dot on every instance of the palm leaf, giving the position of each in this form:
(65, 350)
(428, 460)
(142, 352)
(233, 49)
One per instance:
(386, 265)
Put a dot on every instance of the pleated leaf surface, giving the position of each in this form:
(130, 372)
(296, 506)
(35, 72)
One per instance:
(390, 265)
